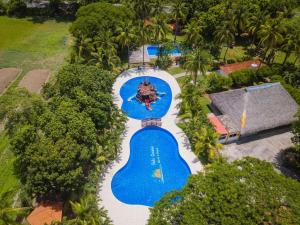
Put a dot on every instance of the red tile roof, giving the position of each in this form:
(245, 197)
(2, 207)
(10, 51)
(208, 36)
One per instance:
(230, 68)
(219, 127)
(46, 213)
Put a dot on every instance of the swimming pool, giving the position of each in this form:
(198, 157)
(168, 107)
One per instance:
(154, 168)
(152, 50)
(137, 110)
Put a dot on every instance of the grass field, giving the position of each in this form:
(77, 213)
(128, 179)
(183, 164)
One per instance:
(27, 45)
(238, 52)
(8, 180)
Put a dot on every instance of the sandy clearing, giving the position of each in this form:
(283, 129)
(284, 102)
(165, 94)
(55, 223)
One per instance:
(34, 80)
(7, 76)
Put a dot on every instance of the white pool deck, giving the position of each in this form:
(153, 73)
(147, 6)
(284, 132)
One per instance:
(119, 212)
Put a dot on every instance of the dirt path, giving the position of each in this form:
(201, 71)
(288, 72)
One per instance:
(34, 80)
(7, 76)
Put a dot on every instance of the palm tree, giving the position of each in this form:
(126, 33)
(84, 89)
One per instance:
(127, 35)
(179, 11)
(270, 35)
(86, 212)
(191, 100)
(196, 61)
(290, 44)
(224, 34)
(255, 22)
(104, 53)
(193, 32)
(7, 213)
(160, 28)
(206, 145)
(142, 9)
(82, 48)
(240, 17)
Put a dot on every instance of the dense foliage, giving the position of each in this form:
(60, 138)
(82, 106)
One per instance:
(59, 142)
(96, 31)
(248, 191)
(16, 8)
(215, 82)
(194, 123)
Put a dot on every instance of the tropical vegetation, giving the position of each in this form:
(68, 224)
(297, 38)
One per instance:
(57, 156)
(239, 196)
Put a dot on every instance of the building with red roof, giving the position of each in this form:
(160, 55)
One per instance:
(46, 213)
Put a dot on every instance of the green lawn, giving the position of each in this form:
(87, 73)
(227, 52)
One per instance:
(8, 180)
(236, 53)
(175, 70)
(27, 45)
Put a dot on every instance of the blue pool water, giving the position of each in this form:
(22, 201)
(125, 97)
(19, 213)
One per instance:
(137, 110)
(153, 169)
(152, 50)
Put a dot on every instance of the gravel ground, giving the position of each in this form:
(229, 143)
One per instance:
(7, 76)
(34, 80)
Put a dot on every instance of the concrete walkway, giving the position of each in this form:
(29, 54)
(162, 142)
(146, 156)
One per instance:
(119, 212)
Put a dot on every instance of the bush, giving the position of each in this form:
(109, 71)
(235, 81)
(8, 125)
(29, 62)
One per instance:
(248, 191)
(164, 62)
(16, 8)
(2, 8)
(243, 78)
(230, 61)
(215, 82)
(291, 159)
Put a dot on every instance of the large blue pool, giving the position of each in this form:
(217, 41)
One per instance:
(153, 169)
(137, 110)
(152, 50)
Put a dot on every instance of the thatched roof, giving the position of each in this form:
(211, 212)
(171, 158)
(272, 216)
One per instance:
(264, 106)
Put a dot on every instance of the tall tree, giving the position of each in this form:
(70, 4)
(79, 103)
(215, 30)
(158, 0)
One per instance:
(127, 36)
(193, 32)
(291, 43)
(197, 61)
(239, 196)
(224, 34)
(270, 35)
(179, 13)
(206, 144)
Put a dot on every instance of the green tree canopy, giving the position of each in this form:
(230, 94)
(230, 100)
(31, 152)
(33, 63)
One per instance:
(248, 191)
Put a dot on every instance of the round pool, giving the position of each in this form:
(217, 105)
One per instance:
(153, 169)
(137, 110)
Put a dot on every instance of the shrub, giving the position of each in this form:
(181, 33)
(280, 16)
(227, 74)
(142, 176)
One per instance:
(243, 78)
(215, 82)
(164, 62)
(16, 8)
(291, 159)
(2, 8)
(248, 191)
(230, 61)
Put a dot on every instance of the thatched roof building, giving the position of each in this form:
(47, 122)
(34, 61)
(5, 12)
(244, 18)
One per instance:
(254, 109)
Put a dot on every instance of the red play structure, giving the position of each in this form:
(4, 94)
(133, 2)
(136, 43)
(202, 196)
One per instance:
(146, 94)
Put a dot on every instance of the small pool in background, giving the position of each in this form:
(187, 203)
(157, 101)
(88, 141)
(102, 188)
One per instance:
(152, 50)
(153, 169)
(137, 110)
